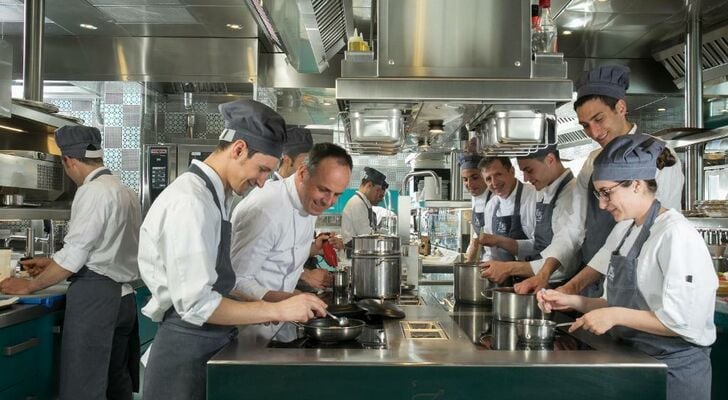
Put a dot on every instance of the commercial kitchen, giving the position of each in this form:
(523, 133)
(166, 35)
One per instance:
(408, 88)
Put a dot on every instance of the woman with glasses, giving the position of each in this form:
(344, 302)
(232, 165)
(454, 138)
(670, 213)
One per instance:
(660, 286)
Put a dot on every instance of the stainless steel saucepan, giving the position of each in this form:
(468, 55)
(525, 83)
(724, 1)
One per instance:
(537, 331)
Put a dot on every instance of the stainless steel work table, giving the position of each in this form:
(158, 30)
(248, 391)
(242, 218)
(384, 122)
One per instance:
(454, 368)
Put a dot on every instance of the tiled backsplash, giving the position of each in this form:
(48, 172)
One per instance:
(117, 113)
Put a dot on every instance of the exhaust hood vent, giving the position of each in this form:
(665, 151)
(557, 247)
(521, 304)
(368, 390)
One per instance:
(714, 52)
(310, 32)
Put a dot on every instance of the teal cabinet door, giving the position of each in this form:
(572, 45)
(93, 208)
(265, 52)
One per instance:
(26, 353)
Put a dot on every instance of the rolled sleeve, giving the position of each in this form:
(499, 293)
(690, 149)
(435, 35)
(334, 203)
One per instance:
(253, 237)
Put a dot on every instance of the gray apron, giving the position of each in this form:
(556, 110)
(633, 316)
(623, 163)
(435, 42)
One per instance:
(177, 367)
(509, 226)
(689, 370)
(478, 220)
(543, 233)
(598, 226)
(100, 342)
(370, 213)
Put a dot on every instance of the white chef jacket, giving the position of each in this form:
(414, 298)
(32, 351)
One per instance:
(178, 248)
(272, 238)
(527, 211)
(103, 232)
(669, 191)
(355, 217)
(673, 252)
(559, 221)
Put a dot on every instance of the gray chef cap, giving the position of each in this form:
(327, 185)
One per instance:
(628, 157)
(375, 177)
(263, 129)
(541, 153)
(607, 80)
(79, 141)
(469, 161)
(299, 141)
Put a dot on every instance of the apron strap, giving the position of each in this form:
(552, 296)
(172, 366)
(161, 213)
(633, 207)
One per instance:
(208, 183)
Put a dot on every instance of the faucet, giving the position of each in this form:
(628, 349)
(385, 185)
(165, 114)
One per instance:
(410, 175)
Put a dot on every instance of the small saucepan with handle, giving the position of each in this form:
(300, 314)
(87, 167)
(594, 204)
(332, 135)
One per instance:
(537, 331)
(328, 330)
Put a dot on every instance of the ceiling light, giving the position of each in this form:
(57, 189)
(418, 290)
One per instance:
(12, 129)
(661, 109)
(326, 103)
(332, 118)
(566, 33)
(88, 26)
(237, 27)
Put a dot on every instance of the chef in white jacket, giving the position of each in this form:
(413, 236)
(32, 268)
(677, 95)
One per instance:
(358, 216)
(273, 227)
(184, 256)
(100, 343)
(602, 111)
(554, 184)
(660, 286)
(479, 195)
(510, 216)
(295, 150)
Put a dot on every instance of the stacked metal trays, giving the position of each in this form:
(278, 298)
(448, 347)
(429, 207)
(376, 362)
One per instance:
(375, 131)
(515, 133)
(713, 208)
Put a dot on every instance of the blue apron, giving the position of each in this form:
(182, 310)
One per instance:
(689, 370)
(598, 226)
(100, 342)
(177, 367)
(509, 226)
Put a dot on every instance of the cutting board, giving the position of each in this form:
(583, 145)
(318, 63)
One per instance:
(47, 296)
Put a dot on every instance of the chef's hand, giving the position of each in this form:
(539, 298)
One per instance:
(531, 285)
(318, 245)
(317, 278)
(300, 307)
(486, 239)
(15, 286)
(550, 300)
(496, 271)
(35, 265)
(596, 321)
(567, 288)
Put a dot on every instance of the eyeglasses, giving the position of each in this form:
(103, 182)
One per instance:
(603, 194)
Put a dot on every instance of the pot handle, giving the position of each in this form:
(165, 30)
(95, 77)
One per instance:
(487, 293)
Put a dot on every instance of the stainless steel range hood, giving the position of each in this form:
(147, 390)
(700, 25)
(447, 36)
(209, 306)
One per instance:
(431, 71)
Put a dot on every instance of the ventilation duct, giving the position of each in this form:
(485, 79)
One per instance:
(714, 52)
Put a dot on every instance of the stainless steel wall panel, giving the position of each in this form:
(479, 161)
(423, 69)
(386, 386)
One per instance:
(464, 38)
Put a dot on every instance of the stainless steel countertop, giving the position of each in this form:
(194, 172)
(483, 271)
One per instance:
(459, 350)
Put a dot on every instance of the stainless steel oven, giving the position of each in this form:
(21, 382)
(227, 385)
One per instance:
(162, 163)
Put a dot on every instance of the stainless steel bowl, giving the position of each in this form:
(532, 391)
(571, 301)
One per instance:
(328, 330)
(13, 199)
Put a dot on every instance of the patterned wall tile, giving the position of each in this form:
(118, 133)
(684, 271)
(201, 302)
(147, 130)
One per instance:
(132, 115)
(114, 87)
(81, 105)
(112, 137)
(130, 159)
(132, 98)
(62, 104)
(131, 179)
(215, 125)
(112, 159)
(114, 98)
(130, 137)
(132, 88)
(113, 114)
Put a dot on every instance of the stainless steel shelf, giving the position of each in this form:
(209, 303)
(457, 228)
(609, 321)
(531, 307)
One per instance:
(61, 212)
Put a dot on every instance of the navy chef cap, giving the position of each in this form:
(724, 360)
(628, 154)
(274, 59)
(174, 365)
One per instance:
(299, 141)
(263, 129)
(376, 177)
(79, 141)
(550, 149)
(628, 157)
(469, 161)
(607, 80)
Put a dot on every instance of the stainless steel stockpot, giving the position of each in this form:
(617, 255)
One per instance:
(470, 287)
(511, 306)
(376, 276)
(376, 245)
